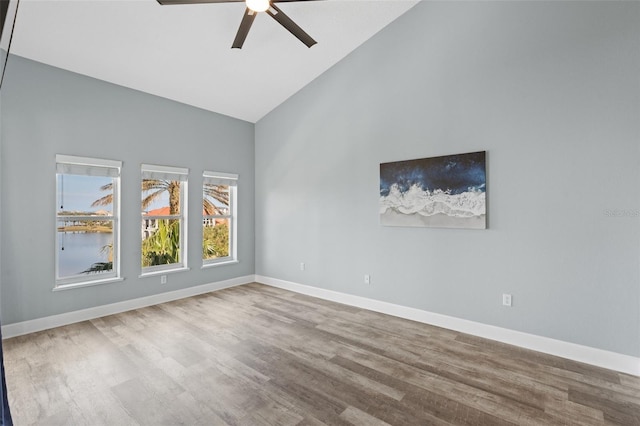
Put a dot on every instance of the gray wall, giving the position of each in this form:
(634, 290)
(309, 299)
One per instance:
(550, 90)
(48, 111)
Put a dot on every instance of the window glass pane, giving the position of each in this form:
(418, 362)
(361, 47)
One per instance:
(160, 197)
(83, 251)
(215, 241)
(160, 242)
(84, 225)
(215, 199)
(88, 195)
(218, 218)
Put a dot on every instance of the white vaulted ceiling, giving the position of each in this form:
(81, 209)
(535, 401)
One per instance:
(184, 52)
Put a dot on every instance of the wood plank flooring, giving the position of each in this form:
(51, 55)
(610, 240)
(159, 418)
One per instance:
(257, 355)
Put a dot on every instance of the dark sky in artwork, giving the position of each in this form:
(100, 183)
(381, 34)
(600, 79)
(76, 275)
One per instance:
(456, 173)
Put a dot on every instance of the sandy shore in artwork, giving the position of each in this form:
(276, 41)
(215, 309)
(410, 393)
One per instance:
(393, 218)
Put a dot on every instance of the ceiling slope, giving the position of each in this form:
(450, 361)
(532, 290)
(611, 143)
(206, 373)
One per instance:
(184, 53)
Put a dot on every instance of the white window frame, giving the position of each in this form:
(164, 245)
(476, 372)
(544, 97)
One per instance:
(231, 180)
(85, 166)
(150, 171)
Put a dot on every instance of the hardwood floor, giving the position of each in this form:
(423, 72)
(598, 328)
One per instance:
(257, 355)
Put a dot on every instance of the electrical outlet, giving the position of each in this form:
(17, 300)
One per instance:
(302, 266)
(163, 279)
(506, 300)
(367, 279)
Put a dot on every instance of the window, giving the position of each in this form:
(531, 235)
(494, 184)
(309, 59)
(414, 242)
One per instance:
(87, 221)
(218, 218)
(164, 218)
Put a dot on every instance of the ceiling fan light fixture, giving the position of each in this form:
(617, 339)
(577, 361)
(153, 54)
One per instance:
(258, 5)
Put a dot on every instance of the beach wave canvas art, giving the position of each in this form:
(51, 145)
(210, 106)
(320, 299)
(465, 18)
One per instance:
(440, 192)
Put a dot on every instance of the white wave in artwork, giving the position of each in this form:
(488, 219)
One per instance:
(429, 203)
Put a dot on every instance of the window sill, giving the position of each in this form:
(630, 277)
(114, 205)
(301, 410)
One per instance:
(163, 272)
(222, 263)
(61, 287)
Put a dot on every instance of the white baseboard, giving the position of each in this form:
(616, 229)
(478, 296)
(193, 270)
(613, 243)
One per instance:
(39, 324)
(598, 357)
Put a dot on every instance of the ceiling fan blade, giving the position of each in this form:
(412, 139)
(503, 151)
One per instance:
(288, 23)
(245, 26)
(172, 2)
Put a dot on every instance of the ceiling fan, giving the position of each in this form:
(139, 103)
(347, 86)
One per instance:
(253, 8)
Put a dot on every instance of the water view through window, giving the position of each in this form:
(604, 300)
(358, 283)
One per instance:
(81, 251)
(85, 225)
